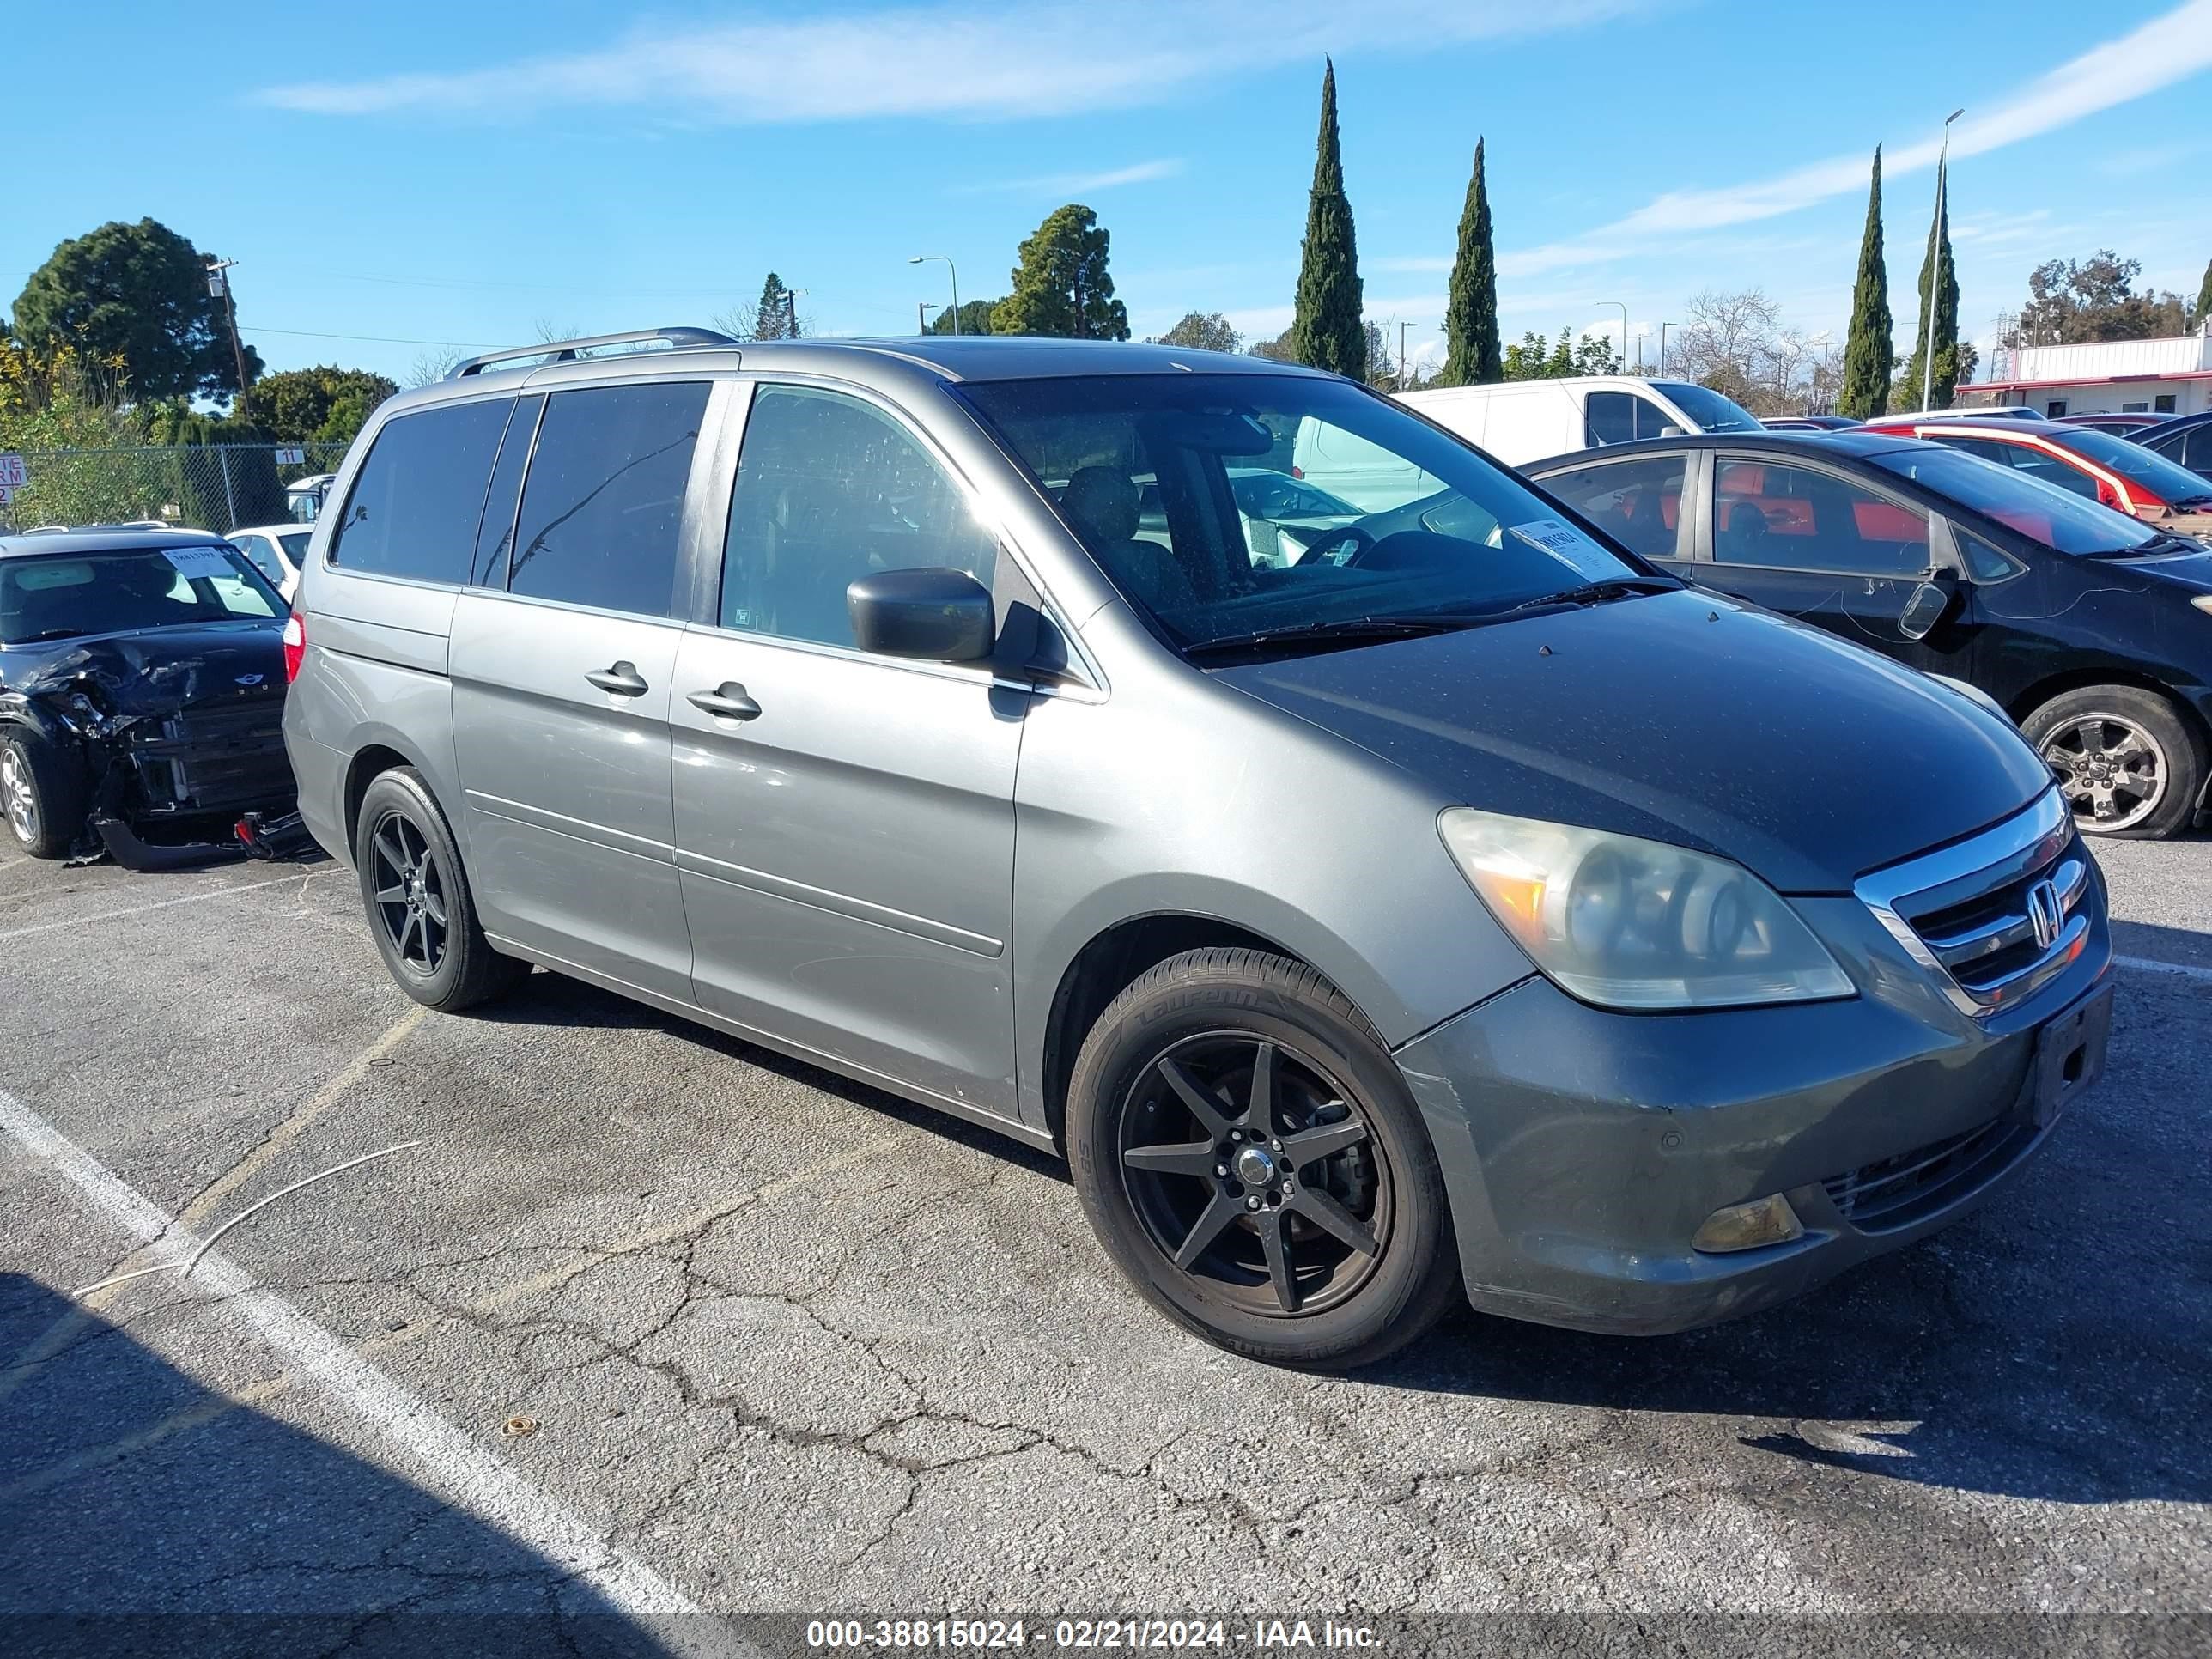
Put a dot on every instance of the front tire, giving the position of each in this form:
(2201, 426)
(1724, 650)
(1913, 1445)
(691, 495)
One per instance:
(44, 794)
(416, 895)
(2130, 765)
(1251, 1157)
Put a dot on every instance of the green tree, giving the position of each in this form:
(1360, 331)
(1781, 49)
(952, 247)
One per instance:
(1207, 331)
(1471, 355)
(1869, 353)
(1061, 286)
(1939, 314)
(323, 404)
(2071, 301)
(778, 316)
(138, 293)
(1326, 331)
(1277, 350)
(974, 318)
(2204, 298)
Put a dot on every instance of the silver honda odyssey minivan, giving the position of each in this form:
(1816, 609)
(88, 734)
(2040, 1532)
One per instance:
(1375, 903)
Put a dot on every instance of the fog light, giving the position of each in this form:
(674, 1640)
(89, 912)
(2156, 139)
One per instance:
(1749, 1226)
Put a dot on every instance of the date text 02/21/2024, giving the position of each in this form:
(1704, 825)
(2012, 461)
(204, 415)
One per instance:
(1083, 1634)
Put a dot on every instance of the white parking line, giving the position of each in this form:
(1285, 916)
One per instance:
(464, 1473)
(2151, 965)
(143, 910)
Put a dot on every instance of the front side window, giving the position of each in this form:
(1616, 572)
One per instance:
(1638, 503)
(1798, 518)
(1617, 417)
(257, 548)
(1439, 537)
(1708, 407)
(2058, 519)
(603, 505)
(414, 508)
(123, 592)
(830, 489)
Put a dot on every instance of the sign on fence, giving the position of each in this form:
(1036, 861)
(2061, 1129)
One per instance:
(13, 474)
(291, 457)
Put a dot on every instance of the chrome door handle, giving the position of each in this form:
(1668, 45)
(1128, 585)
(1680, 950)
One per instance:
(622, 680)
(727, 702)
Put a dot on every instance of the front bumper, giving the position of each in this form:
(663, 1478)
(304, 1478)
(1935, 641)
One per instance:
(1583, 1149)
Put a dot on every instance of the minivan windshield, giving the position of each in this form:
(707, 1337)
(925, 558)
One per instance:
(1711, 411)
(2057, 518)
(1155, 474)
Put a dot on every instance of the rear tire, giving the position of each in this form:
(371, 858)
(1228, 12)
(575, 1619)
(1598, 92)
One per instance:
(1248, 1154)
(2130, 764)
(416, 895)
(44, 794)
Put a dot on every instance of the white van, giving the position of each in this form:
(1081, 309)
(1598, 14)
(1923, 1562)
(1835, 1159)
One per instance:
(1522, 420)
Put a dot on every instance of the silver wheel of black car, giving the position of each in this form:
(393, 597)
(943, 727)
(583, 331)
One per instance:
(19, 796)
(1251, 1157)
(2127, 761)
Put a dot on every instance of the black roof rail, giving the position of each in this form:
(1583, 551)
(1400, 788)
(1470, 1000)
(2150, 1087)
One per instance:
(565, 351)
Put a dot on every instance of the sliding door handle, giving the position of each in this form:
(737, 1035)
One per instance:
(727, 702)
(622, 680)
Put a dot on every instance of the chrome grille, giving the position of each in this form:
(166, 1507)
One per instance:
(1994, 918)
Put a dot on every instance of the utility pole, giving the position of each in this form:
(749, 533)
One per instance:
(1663, 327)
(1402, 327)
(1935, 268)
(219, 286)
(921, 310)
(790, 311)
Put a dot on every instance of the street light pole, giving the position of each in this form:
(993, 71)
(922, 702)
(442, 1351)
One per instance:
(921, 259)
(1935, 267)
(1624, 327)
(1402, 327)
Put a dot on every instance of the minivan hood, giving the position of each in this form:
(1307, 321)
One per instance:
(1682, 717)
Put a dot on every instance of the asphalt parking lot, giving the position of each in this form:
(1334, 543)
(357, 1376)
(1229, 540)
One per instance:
(648, 1323)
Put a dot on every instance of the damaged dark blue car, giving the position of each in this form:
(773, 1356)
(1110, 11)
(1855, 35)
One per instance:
(141, 694)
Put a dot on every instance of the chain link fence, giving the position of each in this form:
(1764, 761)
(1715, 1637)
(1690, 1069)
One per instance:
(218, 487)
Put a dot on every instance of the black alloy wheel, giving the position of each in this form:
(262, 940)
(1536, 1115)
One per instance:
(1250, 1167)
(409, 890)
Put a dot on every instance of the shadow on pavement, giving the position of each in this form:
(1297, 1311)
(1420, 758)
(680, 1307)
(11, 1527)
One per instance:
(235, 1534)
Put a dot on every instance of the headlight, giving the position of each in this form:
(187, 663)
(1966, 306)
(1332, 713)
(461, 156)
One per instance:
(2203, 601)
(1638, 923)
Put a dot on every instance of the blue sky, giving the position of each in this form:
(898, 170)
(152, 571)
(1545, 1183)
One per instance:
(430, 173)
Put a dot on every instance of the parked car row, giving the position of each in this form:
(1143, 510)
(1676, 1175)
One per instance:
(975, 717)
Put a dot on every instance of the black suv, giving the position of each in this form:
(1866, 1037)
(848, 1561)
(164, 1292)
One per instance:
(2092, 630)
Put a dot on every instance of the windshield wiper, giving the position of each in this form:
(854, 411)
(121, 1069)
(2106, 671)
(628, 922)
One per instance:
(1348, 628)
(50, 634)
(1598, 593)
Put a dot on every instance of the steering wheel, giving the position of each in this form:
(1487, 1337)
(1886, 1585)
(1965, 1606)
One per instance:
(1339, 547)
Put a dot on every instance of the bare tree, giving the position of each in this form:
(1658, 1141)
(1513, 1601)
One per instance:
(431, 366)
(1734, 344)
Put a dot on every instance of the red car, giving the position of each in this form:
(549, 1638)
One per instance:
(2116, 472)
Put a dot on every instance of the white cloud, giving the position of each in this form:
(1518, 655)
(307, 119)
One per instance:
(968, 58)
(2155, 56)
(1075, 184)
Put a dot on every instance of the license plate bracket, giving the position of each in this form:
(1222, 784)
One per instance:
(2070, 1055)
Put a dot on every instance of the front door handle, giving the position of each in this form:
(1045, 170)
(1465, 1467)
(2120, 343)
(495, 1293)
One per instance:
(622, 680)
(727, 702)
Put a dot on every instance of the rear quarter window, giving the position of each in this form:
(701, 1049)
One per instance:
(414, 508)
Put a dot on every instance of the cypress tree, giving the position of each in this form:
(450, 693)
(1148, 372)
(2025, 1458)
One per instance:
(1326, 331)
(1869, 353)
(1939, 312)
(1471, 310)
(2204, 297)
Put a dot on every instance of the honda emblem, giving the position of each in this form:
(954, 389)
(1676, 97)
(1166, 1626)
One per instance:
(2045, 914)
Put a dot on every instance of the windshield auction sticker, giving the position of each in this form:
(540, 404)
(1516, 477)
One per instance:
(193, 562)
(1570, 547)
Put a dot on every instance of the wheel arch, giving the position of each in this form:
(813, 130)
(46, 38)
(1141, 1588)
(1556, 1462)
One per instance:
(2191, 716)
(370, 761)
(1113, 959)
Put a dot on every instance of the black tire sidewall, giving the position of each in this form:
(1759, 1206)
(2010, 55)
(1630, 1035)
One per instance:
(455, 983)
(1392, 1306)
(2184, 750)
(61, 799)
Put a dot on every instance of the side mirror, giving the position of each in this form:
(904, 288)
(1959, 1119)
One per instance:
(1670, 430)
(1924, 609)
(937, 614)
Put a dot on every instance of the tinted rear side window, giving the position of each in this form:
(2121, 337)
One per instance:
(496, 533)
(415, 507)
(604, 504)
